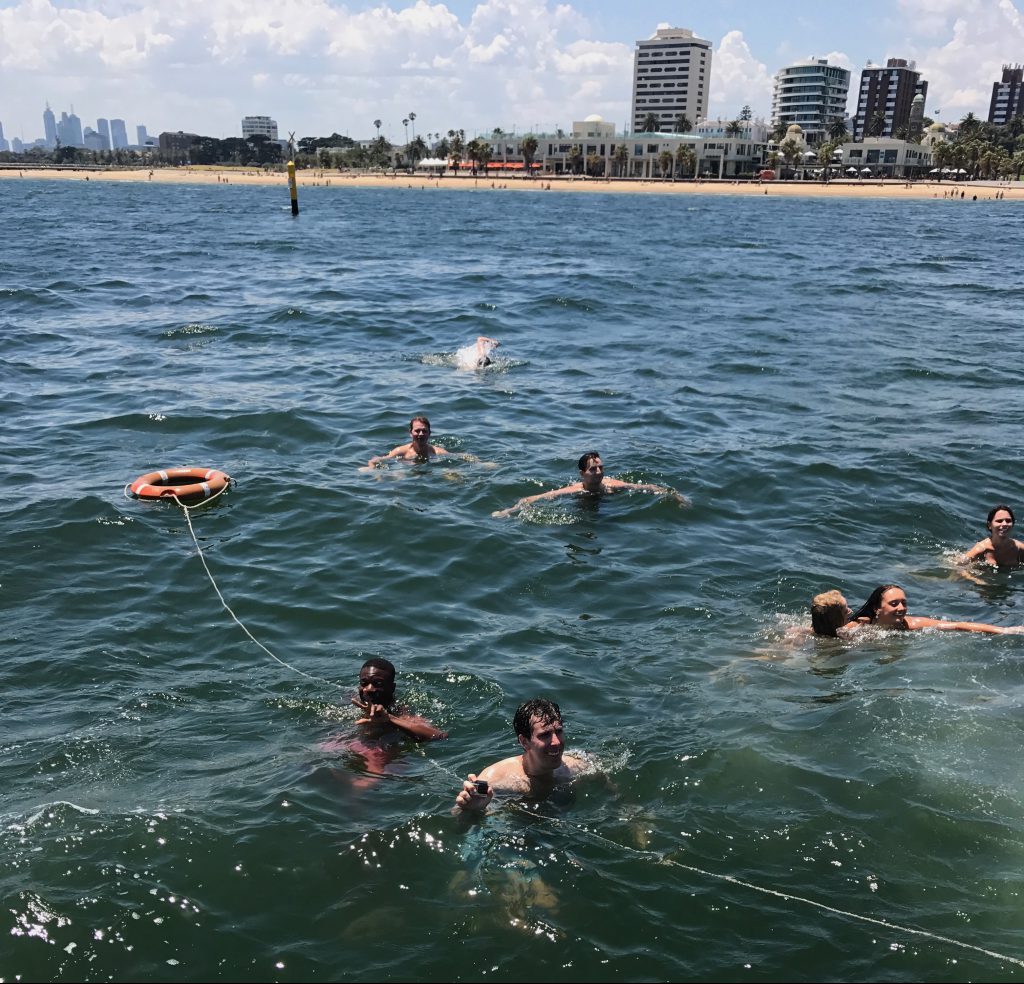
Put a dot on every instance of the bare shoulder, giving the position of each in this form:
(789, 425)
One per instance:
(576, 766)
(506, 775)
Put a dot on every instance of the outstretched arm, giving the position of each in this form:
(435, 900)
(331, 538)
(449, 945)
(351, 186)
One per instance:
(916, 622)
(393, 453)
(976, 552)
(617, 483)
(568, 490)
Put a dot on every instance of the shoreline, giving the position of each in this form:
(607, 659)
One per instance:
(233, 177)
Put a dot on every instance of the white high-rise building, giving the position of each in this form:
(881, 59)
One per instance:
(812, 94)
(671, 78)
(118, 135)
(4, 145)
(259, 126)
(143, 137)
(103, 129)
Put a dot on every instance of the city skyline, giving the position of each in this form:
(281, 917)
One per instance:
(516, 64)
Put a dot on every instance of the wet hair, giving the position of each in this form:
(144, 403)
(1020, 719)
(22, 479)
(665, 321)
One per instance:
(828, 613)
(422, 420)
(992, 515)
(585, 459)
(869, 609)
(546, 711)
(379, 663)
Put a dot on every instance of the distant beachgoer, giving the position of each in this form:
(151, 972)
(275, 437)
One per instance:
(886, 608)
(418, 449)
(592, 482)
(999, 548)
(477, 354)
(540, 769)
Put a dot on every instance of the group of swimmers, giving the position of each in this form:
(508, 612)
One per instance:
(886, 606)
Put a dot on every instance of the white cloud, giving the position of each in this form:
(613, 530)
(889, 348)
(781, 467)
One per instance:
(975, 38)
(738, 79)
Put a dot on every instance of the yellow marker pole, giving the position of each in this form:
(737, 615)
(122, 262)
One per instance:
(292, 188)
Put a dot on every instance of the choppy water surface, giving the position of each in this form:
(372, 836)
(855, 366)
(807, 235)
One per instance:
(836, 387)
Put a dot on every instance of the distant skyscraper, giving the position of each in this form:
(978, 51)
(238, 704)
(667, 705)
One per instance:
(103, 128)
(259, 125)
(118, 135)
(1007, 96)
(4, 145)
(140, 132)
(811, 94)
(17, 146)
(69, 130)
(49, 127)
(889, 91)
(671, 78)
(94, 140)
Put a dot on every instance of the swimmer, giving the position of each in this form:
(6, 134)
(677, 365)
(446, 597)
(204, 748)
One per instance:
(998, 549)
(830, 614)
(886, 607)
(418, 449)
(377, 700)
(541, 768)
(592, 482)
(478, 354)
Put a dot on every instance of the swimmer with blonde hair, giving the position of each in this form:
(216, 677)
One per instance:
(829, 613)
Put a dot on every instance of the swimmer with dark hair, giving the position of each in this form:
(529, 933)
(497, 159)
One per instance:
(999, 548)
(886, 608)
(419, 447)
(477, 355)
(593, 481)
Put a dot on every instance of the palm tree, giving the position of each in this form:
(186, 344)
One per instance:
(456, 145)
(790, 151)
(377, 124)
(416, 150)
(650, 124)
(576, 159)
(969, 127)
(837, 131)
(825, 152)
(683, 124)
(733, 128)
(876, 126)
(405, 123)
(665, 161)
(528, 146)
(621, 159)
(595, 165)
(685, 158)
(412, 119)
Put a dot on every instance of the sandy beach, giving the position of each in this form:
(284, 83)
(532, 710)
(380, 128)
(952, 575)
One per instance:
(1011, 191)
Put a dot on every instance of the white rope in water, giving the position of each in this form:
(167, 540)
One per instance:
(733, 880)
(186, 510)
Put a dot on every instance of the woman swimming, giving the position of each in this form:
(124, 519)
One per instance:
(886, 607)
(999, 548)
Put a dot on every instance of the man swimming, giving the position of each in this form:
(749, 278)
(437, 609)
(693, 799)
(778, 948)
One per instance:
(377, 700)
(541, 768)
(477, 355)
(593, 481)
(419, 447)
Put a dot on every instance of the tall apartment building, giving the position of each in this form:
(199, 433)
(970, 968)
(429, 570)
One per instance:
(811, 94)
(1007, 96)
(69, 130)
(103, 129)
(259, 126)
(671, 78)
(889, 91)
(143, 136)
(4, 145)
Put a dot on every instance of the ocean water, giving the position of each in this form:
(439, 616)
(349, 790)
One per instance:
(833, 384)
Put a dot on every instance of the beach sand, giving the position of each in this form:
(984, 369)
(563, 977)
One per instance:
(228, 177)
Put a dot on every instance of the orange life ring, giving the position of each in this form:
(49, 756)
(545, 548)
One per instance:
(205, 482)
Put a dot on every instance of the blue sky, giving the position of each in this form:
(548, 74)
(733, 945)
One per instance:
(318, 66)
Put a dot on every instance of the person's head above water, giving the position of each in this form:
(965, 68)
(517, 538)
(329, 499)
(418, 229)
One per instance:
(591, 471)
(1000, 521)
(886, 605)
(538, 727)
(829, 612)
(377, 681)
(419, 427)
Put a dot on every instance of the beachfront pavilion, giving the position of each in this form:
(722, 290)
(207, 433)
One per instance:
(593, 146)
(885, 157)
